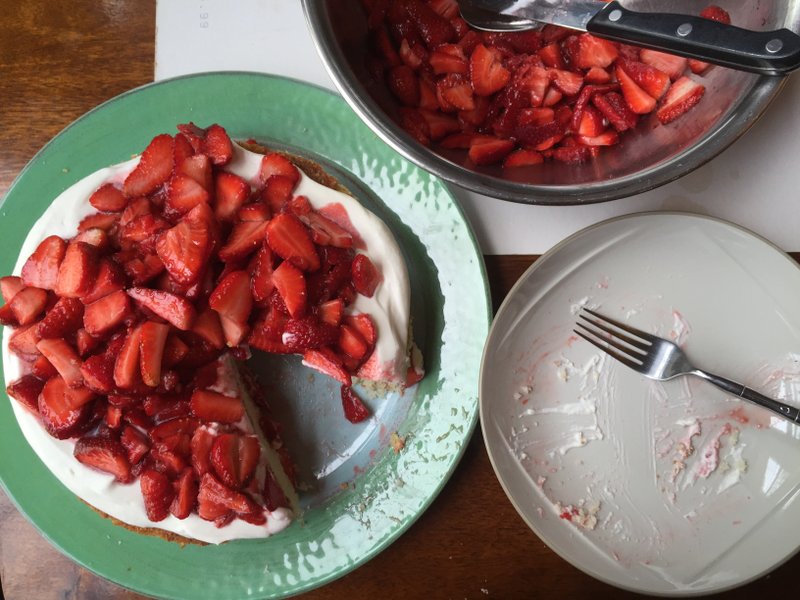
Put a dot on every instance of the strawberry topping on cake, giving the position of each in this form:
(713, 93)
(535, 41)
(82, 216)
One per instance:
(144, 287)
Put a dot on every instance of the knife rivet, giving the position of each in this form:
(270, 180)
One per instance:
(774, 46)
(684, 29)
(615, 15)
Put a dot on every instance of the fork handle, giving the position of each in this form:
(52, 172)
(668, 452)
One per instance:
(737, 389)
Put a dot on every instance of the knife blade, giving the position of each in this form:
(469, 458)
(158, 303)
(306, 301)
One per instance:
(765, 52)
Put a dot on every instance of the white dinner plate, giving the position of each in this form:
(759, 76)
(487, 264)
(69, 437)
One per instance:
(668, 488)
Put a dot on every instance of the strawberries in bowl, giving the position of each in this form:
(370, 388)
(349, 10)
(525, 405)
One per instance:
(548, 116)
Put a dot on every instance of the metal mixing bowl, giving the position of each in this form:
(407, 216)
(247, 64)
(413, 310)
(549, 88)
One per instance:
(648, 157)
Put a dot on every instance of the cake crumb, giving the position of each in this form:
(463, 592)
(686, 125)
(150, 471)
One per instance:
(397, 443)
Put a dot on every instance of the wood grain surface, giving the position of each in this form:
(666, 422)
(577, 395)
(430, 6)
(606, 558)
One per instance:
(60, 58)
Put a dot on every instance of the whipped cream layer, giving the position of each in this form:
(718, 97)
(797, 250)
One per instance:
(389, 309)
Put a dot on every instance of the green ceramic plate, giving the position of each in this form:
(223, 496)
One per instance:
(384, 492)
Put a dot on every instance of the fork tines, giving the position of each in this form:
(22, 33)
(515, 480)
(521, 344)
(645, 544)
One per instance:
(622, 342)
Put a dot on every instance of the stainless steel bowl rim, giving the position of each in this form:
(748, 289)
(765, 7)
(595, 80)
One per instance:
(738, 120)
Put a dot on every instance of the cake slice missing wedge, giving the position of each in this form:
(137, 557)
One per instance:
(139, 295)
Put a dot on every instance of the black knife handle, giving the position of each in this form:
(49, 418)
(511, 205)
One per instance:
(765, 52)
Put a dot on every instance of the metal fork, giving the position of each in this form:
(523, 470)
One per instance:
(660, 359)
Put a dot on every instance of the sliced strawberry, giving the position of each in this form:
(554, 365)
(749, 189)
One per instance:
(182, 149)
(208, 327)
(331, 312)
(9, 286)
(290, 240)
(672, 65)
(277, 192)
(573, 154)
(113, 418)
(614, 108)
(136, 443)
(455, 93)
(98, 372)
(23, 342)
(103, 315)
(291, 286)
(174, 350)
(302, 334)
(592, 51)
(201, 443)
(42, 267)
(185, 248)
(683, 95)
(438, 125)
(142, 269)
(104, 454)
(449, 59)
(198, 167)
(352, 343)
(231, 193)
(244, 239)
(96, 237)
(43, 369)
(231, 298)
(7, 316)
(403, 83)
(638, 100)
(186, 489)
(355, 410)
(108, 198)
(103, 221)
(607, 138)
(597, 76)
(215, 498)
(158, 494)
(324, 232)
(274, 496)
(62, 414)
(366, 277)
(28, 304)
(522, 158)
(193, 134)
(234, 458)
(170, 307)
(126, 367)
(254, 211)
(487, 72)
(328, 364)
(153, 338)
(183, 194)
(110, 278)
(154, 168)
(568, 82)
(212, 406)
(650, 79)
(432, 27)
(78, 270)
(64, 358)
(26, 390)
(362, 323)
(486, 150)
(276, 164)
(217, 145)
(261, 284)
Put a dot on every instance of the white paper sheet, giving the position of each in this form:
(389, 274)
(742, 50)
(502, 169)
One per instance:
(754, 183)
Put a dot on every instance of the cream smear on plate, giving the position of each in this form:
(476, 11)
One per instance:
(388, 307)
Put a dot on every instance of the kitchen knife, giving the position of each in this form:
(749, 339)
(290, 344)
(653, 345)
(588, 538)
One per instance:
(765, 52)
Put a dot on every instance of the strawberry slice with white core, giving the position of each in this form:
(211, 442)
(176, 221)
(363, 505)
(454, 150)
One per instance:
(41, 268)
(184, 249)
(108, 198)
(291, 285)
(275, 164)
(217, 145)
(638, 100)
(28, 304)
(110, 278)
(186, 488)
(673, 66)
(104, 454)
(154, 168)
(289, 239)
(64, 358)
(183, 194)
(107, 313)
(327, 363)
(9, 286)
(231, 298)
(231, 193)
(170, 307)
(208, 327)
(78, 270)
(234, 458)
(243, 240)
(681, 96)
(487, 71)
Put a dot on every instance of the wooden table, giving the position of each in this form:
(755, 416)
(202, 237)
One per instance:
(60, 58)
